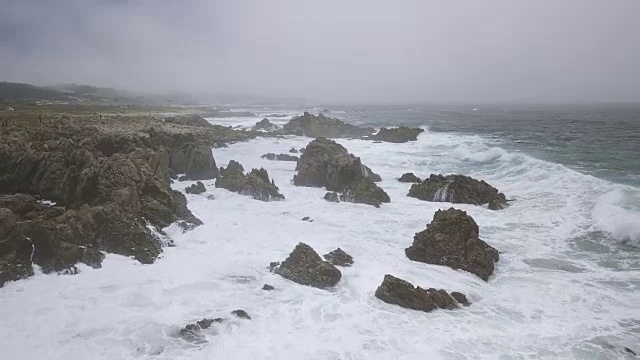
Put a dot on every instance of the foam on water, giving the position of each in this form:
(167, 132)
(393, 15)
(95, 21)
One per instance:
(547, 298)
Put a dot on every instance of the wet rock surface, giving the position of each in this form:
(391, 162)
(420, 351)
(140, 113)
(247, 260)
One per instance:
(339, 258)
(400, 134)
(409, 178)
(458, 189)
(399, 292)
(265, 125)
(255, 184)
(197, 188)
(451, 239)
(322, 126)
(280, 157)
(304, 266)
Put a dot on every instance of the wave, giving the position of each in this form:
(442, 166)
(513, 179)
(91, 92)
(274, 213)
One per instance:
(617, 213)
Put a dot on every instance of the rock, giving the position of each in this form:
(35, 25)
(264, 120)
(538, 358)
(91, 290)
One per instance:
(195, 161)
(409, 178)
(302, 150)
(273, 265)
(458, 189)
(268, 287)
(293, 150)
(279, 157)
(241, 314)
(256, 183)
(326, 163)
(339, 258)
(322, 126)
(304, 266)
(460, 298)
(7, 222)
(197, 188)
(332, 197)
(192, 332)
(402, 293)
(397, 135)
(189, 120)
(364, 192)
(9, 108)
(451, 239)
(306, 218)
(265, 124)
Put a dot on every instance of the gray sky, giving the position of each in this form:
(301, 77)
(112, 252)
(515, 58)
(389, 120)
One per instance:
(332, 51)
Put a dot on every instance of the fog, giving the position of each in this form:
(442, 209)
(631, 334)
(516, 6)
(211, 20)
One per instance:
(332, 51)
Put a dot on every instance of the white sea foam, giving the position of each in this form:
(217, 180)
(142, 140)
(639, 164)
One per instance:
(530, 308)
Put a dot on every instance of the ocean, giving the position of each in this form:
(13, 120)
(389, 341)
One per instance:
(567, 285)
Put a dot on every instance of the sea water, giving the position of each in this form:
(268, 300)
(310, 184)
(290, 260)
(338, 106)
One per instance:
(567, 285)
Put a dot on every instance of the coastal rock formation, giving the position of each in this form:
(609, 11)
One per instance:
(255, 184)
(451, 239)
(265, 125)
(196, 162)
(322, 126)
(304, 266)
(409, 178)
(399, 292)
(280, 157)
(400, 134)
(189, 120)
(197, 188)
(193, 332)
(339, 258)
(364, 192)
(458, 189)
(293, 150)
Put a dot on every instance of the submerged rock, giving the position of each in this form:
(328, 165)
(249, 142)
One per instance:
(304, 266)
(197, 188)
(397, 135)
(268, 287)
(458, 189)
(322, 126)
(256, 183)
(280, 157)
(193, 332)
(339, 258)
(451, 239)
(409, 178)
(399, 292)
(241, 314)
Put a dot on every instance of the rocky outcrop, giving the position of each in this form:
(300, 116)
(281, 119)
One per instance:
(322, 126)
(280, 157)
(197, 188)
(241, 314)
(189, 120)
(360, 192)
(451, 239)
(458, 189)
(265, 125)
(402, 293)
(339, 258)
(293, 150)
(196, 162)
(400, 134)
(409, 178)
(193, 332)
(304, 266)
(256, 183)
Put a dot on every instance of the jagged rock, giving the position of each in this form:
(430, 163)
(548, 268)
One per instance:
(302, 150)
(364, 192)
(293, 150)
(322, 126)
(7, 222)
(326, 163)
(339, 258)
(458, 189)
(306, 218)
(241, 314)
(195, 161)
(265, 124)
(409, 178)
(332, 197)
(189, 120)
(256, 183)
(451, 239)
(280, 157)
(402, 293)
(397, 135)
(193, 332)
(197, 188)
(268, 287)
(304, 266)
(460, 298)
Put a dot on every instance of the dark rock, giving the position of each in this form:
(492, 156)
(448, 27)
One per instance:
(195, 161)
(197, 188)
(409, 178)
(7, 222)
(458, 189)
(402, 293)
(339, 258)
(256, 183)
(293, 150)
(279, 157)
(273, 265)
(322, 126)
(364, 192)
(193, 332)
(397, 135)
(332, 197)
(241, 314)
(189, 120)
(268, 287)
(302, 150)
(265, 124)
(306, 218)
(460, 298)
(304, 266)
(451, 239)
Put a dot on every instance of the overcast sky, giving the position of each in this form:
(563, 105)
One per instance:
(332, 51)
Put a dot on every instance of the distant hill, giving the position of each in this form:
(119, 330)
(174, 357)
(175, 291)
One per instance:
(25, 92)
